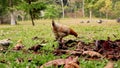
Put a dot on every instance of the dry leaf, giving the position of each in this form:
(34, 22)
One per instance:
(60, 62)
(19, 45)
(53, 62)
(92, 53)
(35, 48)
(71, 65)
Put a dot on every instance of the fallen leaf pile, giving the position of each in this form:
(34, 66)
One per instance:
(94, 50)
(99, 48)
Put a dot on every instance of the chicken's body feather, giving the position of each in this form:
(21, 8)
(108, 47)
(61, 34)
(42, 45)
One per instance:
(61, 31)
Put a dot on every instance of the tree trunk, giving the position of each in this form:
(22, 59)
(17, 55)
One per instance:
(63, 13)
(12, 15)
(100, 15)
(75, 13)
(83, 9)
(30, 12)
(106, 15)
(13, 19)
(23, 18)
(90, 12)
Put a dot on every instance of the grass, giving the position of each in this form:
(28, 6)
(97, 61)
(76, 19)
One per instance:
(25, 31)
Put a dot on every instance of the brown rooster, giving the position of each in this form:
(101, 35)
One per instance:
(61, 31)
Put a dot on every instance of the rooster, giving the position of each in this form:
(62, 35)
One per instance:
(61, 31)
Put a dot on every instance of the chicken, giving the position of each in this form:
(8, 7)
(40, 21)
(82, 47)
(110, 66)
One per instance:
(61, 31)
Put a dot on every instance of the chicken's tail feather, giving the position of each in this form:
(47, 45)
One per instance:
(72, 32)
(53, 23)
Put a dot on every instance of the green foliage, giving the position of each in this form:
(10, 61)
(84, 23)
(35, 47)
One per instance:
(100, 8)
(23, 6)
(3, 7)
(90, 4)
(35, 7)
(52, 11)
(99, 4)
(107, 7)
(116, 12)
(38, 5)
(92, 64)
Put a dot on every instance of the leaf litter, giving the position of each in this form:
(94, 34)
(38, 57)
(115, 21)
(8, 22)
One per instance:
(94, 50)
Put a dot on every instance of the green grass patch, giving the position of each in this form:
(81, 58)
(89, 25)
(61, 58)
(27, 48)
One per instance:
(43, 29)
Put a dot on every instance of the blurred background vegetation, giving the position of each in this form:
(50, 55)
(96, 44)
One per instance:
(12, 11)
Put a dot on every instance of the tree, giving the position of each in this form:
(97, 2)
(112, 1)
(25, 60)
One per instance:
(83, 9)
(107, 8)
(32, 7)
(98, 5)
(3, 7)
(52, 11)
(90, 4)
(8, 10)
(63, 12)
(116, 9)
(3, 12)
(13, 21)
(63, 4)
(12, 9)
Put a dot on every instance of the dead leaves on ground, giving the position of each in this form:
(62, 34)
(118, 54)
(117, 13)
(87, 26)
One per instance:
(100, 48)
(19, 45)
(92, 54)
(70, 62)
(35, 48)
